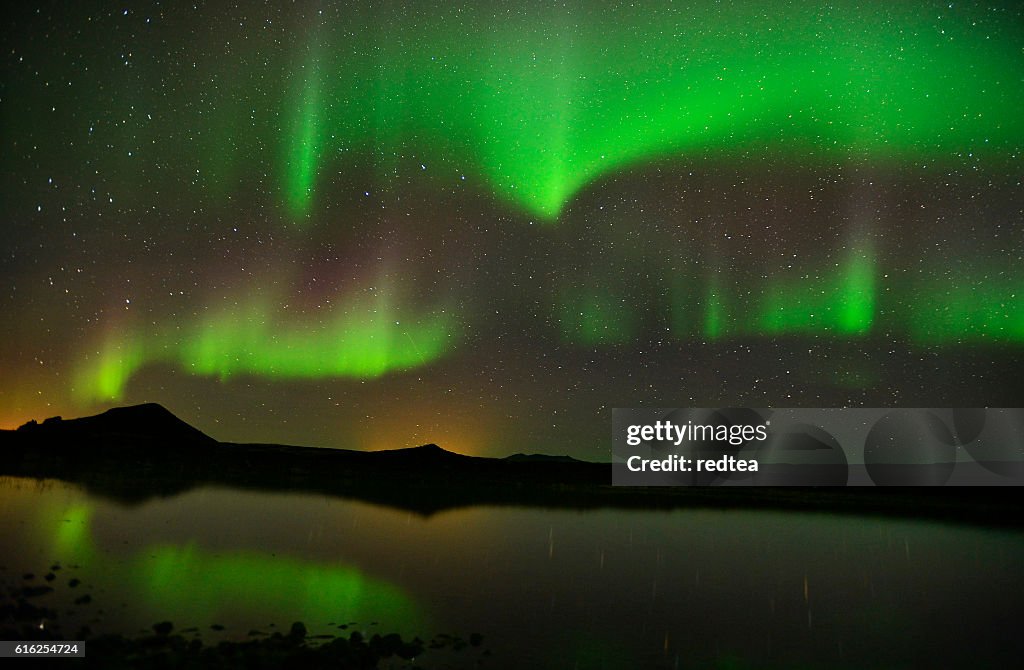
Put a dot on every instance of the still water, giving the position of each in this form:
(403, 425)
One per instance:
(545, 588)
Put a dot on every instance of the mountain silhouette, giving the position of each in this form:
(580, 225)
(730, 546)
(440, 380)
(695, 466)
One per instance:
(132, 454)
(149, 422)
(422, 455)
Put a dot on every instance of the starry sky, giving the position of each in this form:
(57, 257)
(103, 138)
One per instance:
(376, 225)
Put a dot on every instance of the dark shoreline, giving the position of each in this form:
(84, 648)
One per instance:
(137, 453)
(169, 647)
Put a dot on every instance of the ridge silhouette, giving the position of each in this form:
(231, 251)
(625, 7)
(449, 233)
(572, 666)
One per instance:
(149, 421)
(132, 454)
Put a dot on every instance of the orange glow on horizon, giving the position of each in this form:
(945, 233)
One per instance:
(28, 396)
(467, 435)
(453, 440)
(14, 417)
(11, 419)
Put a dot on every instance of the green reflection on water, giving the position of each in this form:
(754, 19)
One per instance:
(72, 535)
(198, 585)
(193, 586)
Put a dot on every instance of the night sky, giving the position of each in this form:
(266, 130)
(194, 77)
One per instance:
(371, 225)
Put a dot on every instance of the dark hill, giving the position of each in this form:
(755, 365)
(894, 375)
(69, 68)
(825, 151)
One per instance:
(428, 454)
(134, 453)
(149, 423)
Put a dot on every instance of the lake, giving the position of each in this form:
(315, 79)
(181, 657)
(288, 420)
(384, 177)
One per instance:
(545, 588)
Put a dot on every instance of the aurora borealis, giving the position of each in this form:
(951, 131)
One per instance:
(378, 225)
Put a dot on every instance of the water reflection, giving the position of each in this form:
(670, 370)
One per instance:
(546, 588)
(196, 586)
(147, 579)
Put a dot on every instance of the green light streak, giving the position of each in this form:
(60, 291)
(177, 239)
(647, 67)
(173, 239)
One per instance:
(839, 301)
(104, 376)
(842, 302)
(856, 301)
(198, 587)
(543, 105)
(304, 146)
(714, 313)
(361, 338)
(367, 341)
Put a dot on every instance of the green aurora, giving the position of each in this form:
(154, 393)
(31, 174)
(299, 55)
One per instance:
(544, 105)
(360, 129)
(364, 339)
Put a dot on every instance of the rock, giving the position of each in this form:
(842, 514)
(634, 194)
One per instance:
(298, 631)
